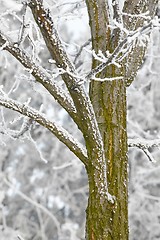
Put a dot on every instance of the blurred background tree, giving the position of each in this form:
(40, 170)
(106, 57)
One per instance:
(43, 190)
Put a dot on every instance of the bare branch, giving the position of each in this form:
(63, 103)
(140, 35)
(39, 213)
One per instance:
(80, 109)
(81, 100)
(40, 75)
(148, 154)
(144, 145)
(27, 123)
(129, 40)
(81, 49)
(45, 23)
(40, 118)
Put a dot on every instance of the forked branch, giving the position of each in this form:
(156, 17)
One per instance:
(45, 23)
(81, 100)
(122, 49)
(40, 75)
(40, 118)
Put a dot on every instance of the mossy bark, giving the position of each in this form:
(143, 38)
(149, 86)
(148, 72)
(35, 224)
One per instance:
(108, 220)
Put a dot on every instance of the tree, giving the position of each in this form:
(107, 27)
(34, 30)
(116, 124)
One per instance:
(119, 40)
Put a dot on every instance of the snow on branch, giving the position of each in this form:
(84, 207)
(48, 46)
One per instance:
(138, 142)
(81, 99)
(26, 126)
(40, 75)
(144, 145)
(123, 48)
(44, 20)
(78, 98)
(40, 118)
(144, 15)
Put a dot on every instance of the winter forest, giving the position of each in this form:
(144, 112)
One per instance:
(79, 120)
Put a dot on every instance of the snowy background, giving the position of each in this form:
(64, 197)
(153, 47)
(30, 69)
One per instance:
(43, 187)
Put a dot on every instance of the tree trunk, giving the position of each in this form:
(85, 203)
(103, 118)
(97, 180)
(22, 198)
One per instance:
(108, 220)
(107, 217)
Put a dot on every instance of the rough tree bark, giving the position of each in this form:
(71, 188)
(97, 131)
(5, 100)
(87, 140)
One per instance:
(102, 119)
(109, 220)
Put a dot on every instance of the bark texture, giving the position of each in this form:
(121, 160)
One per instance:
(132, 22)
(108, 220)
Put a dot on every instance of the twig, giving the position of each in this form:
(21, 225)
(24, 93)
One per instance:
(144, 145)
(40, 75)
(23, 25)
(129, 39)
(138, 142)
(17, 134)
(81, 49)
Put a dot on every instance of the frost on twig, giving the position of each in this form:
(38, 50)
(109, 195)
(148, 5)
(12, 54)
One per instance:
(123, 47)
(40, 118)
(81, 100)
(143, 142)
(78, 99)
(44, 20)
(36, 148)
(40, 75)
(26, 126)
(144, 145)
(144, 15)
(23, 133)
